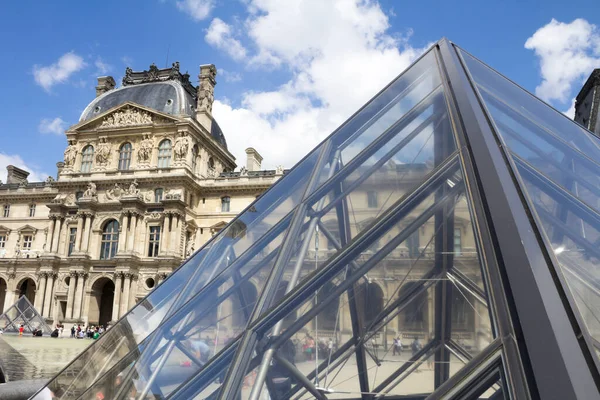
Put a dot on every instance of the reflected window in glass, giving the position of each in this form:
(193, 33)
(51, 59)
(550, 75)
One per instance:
(372, 199)
(457, 242)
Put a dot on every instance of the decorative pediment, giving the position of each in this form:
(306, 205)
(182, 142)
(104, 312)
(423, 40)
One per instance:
(27, 229)
(125, 115)
(4, 229)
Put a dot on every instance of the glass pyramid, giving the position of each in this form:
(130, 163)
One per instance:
(442, 243)
(23, 313)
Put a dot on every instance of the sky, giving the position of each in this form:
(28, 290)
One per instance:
(289, 71)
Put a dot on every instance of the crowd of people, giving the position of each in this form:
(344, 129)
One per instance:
(89, 332)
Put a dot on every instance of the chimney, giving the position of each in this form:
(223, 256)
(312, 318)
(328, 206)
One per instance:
(105, 83)
(206, 95)
(253, 159)
(16, 175)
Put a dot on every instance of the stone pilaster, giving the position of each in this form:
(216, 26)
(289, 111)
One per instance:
(48, 296)
(71, 294)
(125, 296)
(39, 294)
(78, 236)
(79, 294)
(117, 296)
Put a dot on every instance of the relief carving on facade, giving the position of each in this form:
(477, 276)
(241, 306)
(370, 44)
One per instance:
(145, 151)
(70, 154)
(182, 145)
(126, 117)
(102, 152)
(115, 193)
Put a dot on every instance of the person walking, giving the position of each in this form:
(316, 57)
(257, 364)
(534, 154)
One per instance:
(73, 331)
(21, 330)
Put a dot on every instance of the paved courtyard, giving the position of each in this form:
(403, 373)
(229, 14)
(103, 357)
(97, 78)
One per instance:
(29, 357)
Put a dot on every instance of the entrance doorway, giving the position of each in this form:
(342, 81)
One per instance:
(27, 289)
(101, 301)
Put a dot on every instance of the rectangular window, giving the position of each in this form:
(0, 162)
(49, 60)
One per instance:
(158, 195)
(32, 210)
(372, 199)
(225, 203)
(27, 241)
(6, 213)
(2, 241)
(72, 235)
(457, 242)
(154, 241)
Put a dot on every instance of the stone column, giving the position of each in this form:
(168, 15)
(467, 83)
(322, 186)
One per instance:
(86, 232)
(123, 234)
(164, 235)
(51, 232)
(79, 234)
(125, 296)
(56, 235)
(39, 295)
(132, 291)
(71, 293)
(174, 240)
(117, 296)
(132, 232)
(48, 297)
(79, 295)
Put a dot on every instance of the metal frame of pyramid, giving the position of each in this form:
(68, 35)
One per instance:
(448, 144)
(23, 312)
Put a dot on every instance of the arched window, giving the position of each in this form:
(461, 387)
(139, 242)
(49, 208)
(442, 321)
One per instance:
(225, 202)
(110, 240)
(164, 154)
(87, 158)
(194, 158)
(124, 156)
(211, 163)
(158, 195)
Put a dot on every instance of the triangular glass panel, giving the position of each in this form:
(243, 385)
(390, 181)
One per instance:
(558, 163)
(23, 313)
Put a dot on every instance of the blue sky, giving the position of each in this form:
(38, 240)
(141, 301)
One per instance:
(289, 71)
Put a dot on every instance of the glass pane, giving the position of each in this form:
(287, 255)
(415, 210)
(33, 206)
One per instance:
(531, 107)
(126, 335)
(557, 162)
(367, 190)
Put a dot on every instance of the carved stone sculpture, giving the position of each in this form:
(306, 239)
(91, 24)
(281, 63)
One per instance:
(133, 189)
(243, 171)
(128, 79)
(127, 117)
(114, 193)
(182, 144)
(145, 150)
(206, 97)
(90, 192)
(279, 170)
(102, 152)
(70, 154)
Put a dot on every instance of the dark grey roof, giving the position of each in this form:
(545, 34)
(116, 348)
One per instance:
(168, 97)
(217, 133)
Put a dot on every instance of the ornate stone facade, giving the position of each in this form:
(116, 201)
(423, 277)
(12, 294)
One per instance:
(141, 187)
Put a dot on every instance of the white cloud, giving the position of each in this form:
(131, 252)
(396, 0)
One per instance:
(230, 76)
(55, 126)
(219, 35)
(14, 159)
(568, 53)
(571, 111)
(102, 67)
(197, 9)
(339, 53)
(59, 72)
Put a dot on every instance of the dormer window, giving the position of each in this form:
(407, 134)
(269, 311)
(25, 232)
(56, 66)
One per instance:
(164, 154)
(124, 156)
(87, 159)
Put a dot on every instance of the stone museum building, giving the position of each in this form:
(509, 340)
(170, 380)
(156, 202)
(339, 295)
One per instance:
(146, 179)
